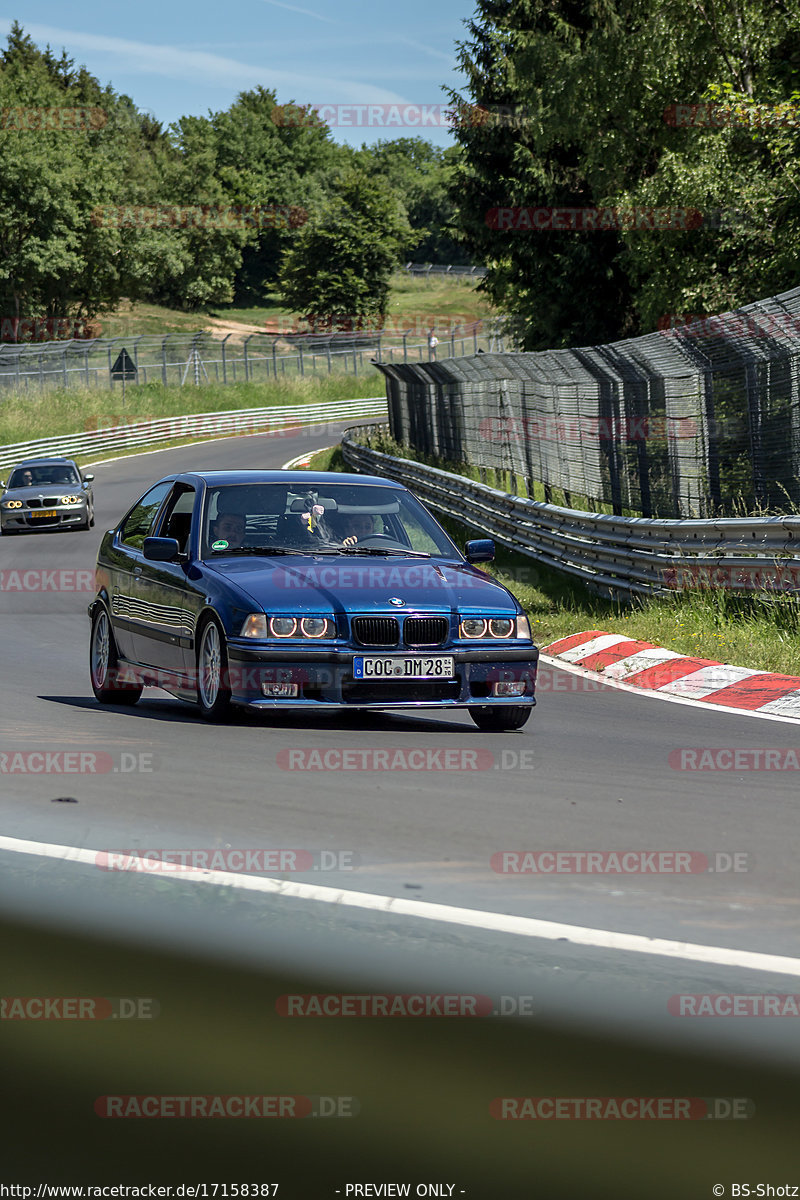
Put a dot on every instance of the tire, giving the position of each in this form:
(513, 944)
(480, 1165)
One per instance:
(497, 719)
(104, 664)
(213, 694)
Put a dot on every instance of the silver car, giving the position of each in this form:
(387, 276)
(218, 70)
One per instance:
(46, 493)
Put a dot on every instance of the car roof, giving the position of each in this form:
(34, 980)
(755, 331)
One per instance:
(301, 478)
(45, 462)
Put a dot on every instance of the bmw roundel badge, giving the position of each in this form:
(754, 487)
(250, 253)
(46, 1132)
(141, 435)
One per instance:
(396, 601)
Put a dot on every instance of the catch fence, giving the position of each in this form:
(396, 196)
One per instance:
(696, 421)
(200, 358)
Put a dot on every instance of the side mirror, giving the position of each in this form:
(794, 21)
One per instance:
(157, 549)
(88, 478)
(480, 550)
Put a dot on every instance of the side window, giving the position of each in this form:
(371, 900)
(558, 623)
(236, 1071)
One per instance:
(176, 520)
(139, 521)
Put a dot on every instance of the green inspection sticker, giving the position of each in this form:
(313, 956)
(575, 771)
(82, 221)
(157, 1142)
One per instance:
(220, 545)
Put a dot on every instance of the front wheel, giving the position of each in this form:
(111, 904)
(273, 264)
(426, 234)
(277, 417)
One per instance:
(213, 694)
(104, 665)
(497, 719)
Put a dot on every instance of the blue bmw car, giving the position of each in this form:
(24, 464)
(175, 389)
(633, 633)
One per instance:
(297, 589)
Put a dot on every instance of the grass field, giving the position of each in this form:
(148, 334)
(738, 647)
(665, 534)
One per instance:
(25, 416)
(441, 300)
(762, 633)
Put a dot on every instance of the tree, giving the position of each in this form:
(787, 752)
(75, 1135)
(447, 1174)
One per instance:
(338, 270)
(588, 84)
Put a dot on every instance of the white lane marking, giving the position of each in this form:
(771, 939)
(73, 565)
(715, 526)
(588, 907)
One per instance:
(654, 694)
(640, 661)
(593, 646)
(707, 680)
(577, 935)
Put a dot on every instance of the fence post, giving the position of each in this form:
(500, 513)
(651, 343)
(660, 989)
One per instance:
(246, 362)
(224, 358)
(164, 360)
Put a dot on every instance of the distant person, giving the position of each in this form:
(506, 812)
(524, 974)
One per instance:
(433, 342)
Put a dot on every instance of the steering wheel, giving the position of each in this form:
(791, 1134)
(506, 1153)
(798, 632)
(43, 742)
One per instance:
(381, 537)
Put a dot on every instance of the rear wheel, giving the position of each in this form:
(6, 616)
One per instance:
(104, 665)
(498, 719)
(213, 694)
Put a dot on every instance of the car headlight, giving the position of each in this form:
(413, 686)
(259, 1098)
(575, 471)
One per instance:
(473, 628)
(71, 499)
(282, 626)
(259, 625)
(12, 504)
(316, 627)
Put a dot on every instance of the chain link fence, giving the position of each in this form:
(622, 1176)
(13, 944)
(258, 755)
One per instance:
(199, 358)
(700, 420)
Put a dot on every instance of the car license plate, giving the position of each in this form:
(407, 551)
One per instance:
(44, 512)
(436, 666)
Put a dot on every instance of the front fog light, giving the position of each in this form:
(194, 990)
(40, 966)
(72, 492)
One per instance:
(509, 687)
(280, 691)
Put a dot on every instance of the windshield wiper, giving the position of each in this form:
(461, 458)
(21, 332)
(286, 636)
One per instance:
(375, 550)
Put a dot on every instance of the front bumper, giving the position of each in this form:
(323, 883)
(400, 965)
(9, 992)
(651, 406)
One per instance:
(23, 518)
(325, 678)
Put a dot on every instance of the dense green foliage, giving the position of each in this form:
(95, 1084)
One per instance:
(98, 202)
(590, 84)
(341, 263)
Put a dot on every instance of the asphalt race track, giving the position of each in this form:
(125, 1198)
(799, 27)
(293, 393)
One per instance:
(590, 772)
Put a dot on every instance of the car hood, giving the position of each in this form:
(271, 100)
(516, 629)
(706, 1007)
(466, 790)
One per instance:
(43, 489)
(362, 584)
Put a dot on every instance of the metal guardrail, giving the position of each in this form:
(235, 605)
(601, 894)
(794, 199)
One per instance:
(613, 555)
(280, 419)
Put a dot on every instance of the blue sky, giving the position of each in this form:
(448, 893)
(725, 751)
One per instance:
(176, 58)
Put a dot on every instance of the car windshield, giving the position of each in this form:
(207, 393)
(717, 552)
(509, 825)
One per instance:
(54, 474)
(326, 518)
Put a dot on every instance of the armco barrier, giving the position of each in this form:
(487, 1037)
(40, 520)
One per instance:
(140, 435)
(612, 555)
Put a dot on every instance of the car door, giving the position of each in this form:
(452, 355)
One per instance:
(125, 563)
(166, 638)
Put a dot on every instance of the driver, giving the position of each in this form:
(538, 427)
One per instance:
(229, 527)
(356, 527)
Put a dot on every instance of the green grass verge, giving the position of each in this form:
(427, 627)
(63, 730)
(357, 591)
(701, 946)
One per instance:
(25, 416)
(760, 632)
(440, 297)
